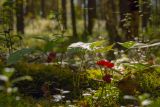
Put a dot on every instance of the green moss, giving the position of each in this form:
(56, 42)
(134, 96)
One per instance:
(145, 81)
(53, 75)
(149, 81)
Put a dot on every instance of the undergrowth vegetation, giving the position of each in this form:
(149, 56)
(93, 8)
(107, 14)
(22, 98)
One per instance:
(48, 64)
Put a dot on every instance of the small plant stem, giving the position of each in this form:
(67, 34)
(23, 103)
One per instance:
(10, 42)
(103, 87)
(61, 62)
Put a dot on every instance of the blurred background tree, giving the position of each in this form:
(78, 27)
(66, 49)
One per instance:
(116, 20)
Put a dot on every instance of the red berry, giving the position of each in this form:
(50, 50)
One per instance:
(105, 63)
(51, 57)
(107, 78)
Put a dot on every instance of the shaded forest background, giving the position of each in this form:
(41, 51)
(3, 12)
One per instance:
(118, 20)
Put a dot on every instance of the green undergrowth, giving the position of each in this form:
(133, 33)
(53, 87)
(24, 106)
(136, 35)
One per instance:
(19, 101)
(149, 81)
(52, 75)
(140, 82)
(145, 81)
(57, 77)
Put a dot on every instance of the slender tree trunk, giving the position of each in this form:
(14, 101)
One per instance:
(126, 18)
(7, 16)
(91, 15)
(146, 10)
(55, 5)
(80, 2)
(134, 10)
(123, 8)
(11, 15)
(129, 10)
(29, 8)
(43, 14)
(64, 14)
(20, 16)
(84, 36)
(73, 17)
(85, 15)
(156, 14)
(111, 20)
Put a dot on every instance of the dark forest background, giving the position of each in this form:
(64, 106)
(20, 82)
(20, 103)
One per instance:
(119, 20)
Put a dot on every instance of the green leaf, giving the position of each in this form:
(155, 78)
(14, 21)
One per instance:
(97, 44)
(104, 49)
(18, 55)
(79, 47)
(58, 41)
(8, 72)
(138, 66)
(76, 50)
(50, 43)
(49, 46)
(128, 45)
(21, 79)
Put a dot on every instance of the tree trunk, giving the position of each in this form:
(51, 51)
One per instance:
(55, 5)
(84, 35)
(43, 14)
(111, 21)
(9, 15)
(146, 9)
(64, 14)
(29, 9)
(20, 16)
(91, 15)
(129, 10)
(134, 10)
(73, 17)
(123, 8)
(80, 2)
